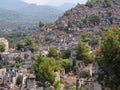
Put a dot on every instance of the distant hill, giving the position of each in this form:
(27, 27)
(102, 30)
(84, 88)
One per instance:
(16, 14)
(9, 15)
(43, 13)
(18, 19)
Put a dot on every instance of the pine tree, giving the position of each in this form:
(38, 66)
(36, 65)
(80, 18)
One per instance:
(109, 59)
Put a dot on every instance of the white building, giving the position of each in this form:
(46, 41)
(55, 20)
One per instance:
(2, 74)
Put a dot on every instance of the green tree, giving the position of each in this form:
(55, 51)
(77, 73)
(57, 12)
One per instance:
(12, 65)
(70, 24)
(17, 65)
(85, 21)
(108, 3)
(19, 46)
(93, 42)
(66, 63)
(1, 66)
(2, 47)
(89, 4)
(86, 39)
(32, 49)
(52, 52)
(94, 19)
(109, 59)
(83, 53)
(18, 60)
(29, 42)
(84, 87)
(56, 85)
(44, 68)
(41, 24)
(19, 80)
(110, 20)
(66, 54)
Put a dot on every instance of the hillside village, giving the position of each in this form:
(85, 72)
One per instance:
(84, 23)
(20, 63)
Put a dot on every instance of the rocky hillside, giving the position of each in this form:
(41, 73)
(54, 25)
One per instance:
(84, 22)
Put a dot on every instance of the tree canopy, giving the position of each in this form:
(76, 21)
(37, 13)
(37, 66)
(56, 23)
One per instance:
(19, 45)
(28, 41)
(52, 52)
(66, 54)
(109, 59)
(83, 53)
(2, 47)
(94, 19)
(44, 68)
(41, 24)
(18, 60)
(93, 42)
(1, 65)
(19, 80)
(65, 63)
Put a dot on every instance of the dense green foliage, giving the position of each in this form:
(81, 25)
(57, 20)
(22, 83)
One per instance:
(44, 68)
(83, 53)
(56, 85)
(66, 54)
(85, 21)
(18, 60)
(52, 52)
(108, 3)
(14, 37)
(19, 80)
(65, 63)
(15, 65)
(109, 59)
(93, 42)
(19, 45)
(86, 39)
(94, 19)
(84, 88)
(1, 66)
(28, 42)
(2, 47)
(41, 24)
(89, 4)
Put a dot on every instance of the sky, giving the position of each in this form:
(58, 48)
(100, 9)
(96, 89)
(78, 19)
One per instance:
(54, 2)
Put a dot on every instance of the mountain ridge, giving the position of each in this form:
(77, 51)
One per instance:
(16, 13)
